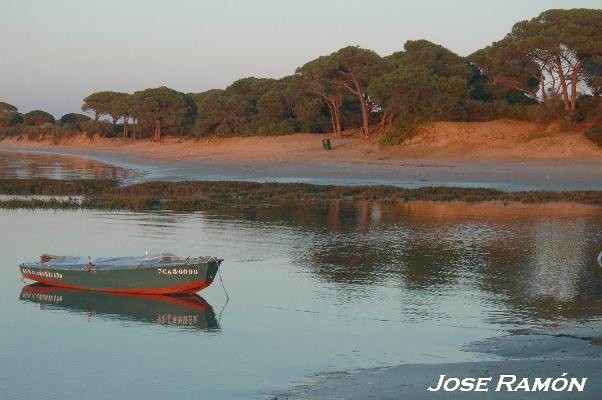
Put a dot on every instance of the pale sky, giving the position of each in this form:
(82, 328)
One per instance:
(55, 52)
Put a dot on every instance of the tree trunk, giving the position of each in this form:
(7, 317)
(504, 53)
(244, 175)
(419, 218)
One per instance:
(334, 108)
(383, 119)
(575, 80)
(360, 96)
(365, 127)
(337, 115)
(158, 130)
(331, 112)
(389, 122)
(125, 126)
(542, 79)
(565, 91)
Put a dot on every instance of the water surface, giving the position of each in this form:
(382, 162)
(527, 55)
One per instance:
(312, 288)
(22, 165)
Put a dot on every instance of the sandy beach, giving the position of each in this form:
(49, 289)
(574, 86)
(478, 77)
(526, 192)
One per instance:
(507, 155)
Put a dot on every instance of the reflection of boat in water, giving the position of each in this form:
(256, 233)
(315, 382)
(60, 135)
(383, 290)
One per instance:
(180, 310)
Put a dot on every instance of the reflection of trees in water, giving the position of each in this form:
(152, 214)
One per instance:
(546, 270)
(536, 267)
(21, 165)
(558, 261)
(152, 224)
(367, 244)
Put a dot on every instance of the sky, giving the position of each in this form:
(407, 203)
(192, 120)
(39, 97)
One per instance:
(53, 53)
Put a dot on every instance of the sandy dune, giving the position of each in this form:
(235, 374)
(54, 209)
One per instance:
(502, 139)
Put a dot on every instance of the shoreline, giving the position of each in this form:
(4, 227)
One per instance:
(574, 349)
(361, 163)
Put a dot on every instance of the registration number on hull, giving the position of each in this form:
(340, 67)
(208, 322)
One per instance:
(177, 271)
(44, 274)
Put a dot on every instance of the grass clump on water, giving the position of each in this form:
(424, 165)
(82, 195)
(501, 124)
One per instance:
(202, 195)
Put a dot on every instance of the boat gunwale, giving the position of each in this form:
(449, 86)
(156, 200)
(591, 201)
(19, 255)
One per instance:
(193, 262)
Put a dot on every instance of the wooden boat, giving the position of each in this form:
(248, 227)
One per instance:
(184, 310)
(152, 274)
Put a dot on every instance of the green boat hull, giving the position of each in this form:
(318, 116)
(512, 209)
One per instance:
(164, 279)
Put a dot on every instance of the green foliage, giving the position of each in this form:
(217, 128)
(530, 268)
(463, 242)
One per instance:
(413, 95)
(101, 103)
(561, 43)
(503, 67)
(346, 71)
(593, 75)
(74, 119)
(165, 107)
(10, 118)
(37, 118)
(220, 112)
(589, 108)
(435, 58)
(271, 105)
(516, 77)
(5, 107)
(311, 114)
(101, 128)
(595, 134)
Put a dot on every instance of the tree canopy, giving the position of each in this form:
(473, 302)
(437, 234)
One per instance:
(37, 117)
(73, 119)
(545, 68)
(102, 103)
(552, 50)
(162, 105)
(5, 107)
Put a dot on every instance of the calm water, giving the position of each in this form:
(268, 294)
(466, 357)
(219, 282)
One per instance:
(16, 164)
(312, 289)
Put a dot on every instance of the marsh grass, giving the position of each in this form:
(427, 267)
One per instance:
(197, 196)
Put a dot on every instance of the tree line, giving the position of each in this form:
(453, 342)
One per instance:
(545, 68)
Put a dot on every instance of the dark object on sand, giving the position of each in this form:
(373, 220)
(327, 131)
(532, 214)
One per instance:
(326, 144)
(152, 274)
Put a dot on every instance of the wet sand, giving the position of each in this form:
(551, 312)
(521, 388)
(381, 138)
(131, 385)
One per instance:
(543, 354)
(503, 154)
(411, 381)
(508, 175)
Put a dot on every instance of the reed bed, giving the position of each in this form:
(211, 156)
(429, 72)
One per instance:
(199, 195)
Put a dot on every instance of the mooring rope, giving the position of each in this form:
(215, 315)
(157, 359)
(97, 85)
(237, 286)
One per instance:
(219, 318)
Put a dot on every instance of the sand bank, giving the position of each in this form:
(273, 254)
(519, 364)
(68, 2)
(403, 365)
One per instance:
(550, 353)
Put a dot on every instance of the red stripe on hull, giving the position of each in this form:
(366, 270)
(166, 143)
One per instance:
(188, 288)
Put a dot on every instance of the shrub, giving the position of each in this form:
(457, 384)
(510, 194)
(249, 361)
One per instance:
(11, 118)
(566, 123)
(102, 128)
(74, 119)
(37, 117)
(589, 108)
(595, 134)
